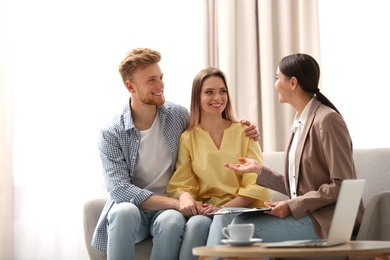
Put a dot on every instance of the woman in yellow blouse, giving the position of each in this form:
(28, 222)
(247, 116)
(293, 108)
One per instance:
(201, 182)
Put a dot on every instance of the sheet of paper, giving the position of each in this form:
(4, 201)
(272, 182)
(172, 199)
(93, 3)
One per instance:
(237, 211)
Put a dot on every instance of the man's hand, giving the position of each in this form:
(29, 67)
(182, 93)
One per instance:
(188, 206)
(251, 131)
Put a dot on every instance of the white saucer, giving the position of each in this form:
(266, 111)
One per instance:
(241, 243)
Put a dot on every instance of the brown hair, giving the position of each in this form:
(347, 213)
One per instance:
(195, 115)
(307, 71)
(136, 58)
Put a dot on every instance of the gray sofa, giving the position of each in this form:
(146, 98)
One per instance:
(371, 164)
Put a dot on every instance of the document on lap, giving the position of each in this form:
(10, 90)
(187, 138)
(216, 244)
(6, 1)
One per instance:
(237, 211)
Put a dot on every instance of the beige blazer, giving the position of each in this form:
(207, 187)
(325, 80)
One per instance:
(323, 159)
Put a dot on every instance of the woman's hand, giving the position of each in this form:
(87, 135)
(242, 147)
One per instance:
(251, 131)
(250, 165)
(279, 209)
(208, 208)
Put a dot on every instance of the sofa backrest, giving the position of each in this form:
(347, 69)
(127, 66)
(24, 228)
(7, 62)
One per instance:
(372, 164)
(275, 161)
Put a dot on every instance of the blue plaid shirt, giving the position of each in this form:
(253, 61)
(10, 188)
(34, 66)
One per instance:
(119, 144)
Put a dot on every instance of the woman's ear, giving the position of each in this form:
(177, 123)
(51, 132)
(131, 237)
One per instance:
(294, 83)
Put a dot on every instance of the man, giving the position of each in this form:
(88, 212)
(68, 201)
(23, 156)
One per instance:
(138, 150)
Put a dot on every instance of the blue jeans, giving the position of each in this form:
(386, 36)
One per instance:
(215, 232)
(173, 235)
(196, 231)
(129, 225)
(273, 229)
(267, 227)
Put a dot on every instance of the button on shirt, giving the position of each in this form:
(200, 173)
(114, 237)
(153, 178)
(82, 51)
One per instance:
(297, 127)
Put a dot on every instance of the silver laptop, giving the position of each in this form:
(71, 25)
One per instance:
(343, 219)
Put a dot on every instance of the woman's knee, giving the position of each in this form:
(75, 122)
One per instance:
(221, 221)
(198, 223)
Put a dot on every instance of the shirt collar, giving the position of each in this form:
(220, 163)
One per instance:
(300, 122)
(128, 120)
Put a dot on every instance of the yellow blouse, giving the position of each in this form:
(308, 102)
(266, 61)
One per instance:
(200, 170)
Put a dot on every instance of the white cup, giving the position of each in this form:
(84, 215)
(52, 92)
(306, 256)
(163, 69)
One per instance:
(239, 232)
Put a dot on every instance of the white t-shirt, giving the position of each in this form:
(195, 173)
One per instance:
(152, 170)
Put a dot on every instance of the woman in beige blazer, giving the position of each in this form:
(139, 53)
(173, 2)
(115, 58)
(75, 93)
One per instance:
(317, 159)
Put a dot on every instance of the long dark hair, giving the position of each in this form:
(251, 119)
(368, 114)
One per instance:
(307, 71)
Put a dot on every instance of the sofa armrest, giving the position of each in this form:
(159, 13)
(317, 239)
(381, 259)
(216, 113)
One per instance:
(376, 222)
(91, 214)
(92, 211)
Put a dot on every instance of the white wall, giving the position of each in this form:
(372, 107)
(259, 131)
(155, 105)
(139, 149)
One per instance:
(355, 57)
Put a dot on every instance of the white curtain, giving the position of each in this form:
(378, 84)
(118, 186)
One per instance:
(6, 133)
(285, 27)
(249, 39)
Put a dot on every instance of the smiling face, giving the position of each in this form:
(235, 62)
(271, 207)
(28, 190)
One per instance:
(213, 97)
(147, 86)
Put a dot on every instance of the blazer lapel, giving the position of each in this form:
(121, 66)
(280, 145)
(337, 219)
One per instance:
(305, 131)
(286, 162)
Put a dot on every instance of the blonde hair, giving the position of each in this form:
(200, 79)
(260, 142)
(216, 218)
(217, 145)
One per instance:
(195, 110)
(139, 57)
